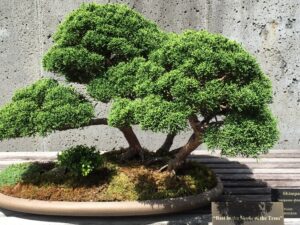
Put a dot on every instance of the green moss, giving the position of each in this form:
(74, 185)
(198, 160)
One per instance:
(13, 174)
(113, 182)
(191, 180)
(121, 188)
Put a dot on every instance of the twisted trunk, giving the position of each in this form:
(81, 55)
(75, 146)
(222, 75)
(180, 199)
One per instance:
(194, 141)
(164, 149)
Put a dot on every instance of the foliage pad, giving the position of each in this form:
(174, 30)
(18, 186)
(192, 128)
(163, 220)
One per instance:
(96, 37)
(43, 107)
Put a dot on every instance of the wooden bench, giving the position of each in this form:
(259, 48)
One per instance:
(245, 179)
(252, 179)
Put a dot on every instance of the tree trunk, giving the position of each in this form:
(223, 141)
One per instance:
(164, 149)
(194, 141)
(135, 147)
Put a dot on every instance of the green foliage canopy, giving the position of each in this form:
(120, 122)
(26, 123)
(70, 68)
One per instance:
(154, 79)
(197, 73)
(43, 107)
(96, 37)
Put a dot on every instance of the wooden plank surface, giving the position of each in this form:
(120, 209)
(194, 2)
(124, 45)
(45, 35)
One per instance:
(245, 198)
(256, 176)
(247, 190)
(251, 179)
(231, 165)
(257, 171)
(210, 159)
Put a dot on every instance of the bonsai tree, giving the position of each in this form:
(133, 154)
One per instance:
(162, 82)
(205, 81)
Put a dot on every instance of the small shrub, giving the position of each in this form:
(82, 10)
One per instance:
(80, 160)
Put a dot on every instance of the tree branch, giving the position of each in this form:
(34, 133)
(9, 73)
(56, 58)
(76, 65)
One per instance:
(98, 121)
(218, 123)
(93, 122)
(222, 78)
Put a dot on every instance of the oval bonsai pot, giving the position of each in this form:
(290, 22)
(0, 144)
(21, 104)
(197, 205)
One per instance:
(125, 208)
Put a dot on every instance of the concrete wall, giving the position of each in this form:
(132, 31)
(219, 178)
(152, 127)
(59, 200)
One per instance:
(268, 29)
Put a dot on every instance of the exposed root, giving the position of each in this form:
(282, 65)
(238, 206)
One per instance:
(155, 160)
(172, 172)
(162, 152)
(142, 155)
(163, 168)
(174, 151)
(132, 153)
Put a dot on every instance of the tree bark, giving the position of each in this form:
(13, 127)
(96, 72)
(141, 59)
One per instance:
(135, 147)
(93, 122)
(194, 141)
(98, 121)
(164, 149)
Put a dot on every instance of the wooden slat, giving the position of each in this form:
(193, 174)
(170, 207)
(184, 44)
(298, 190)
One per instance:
(281, 155)
(209, 159)
(259, 176)
(271, 152)
(229, 165)
(260, 183)
(290, 221)
(247, 190)
(251, 198)
(27, 155)
(244, 183)
(257, 171)
(9, 162)
(225, 165)
(28, 158)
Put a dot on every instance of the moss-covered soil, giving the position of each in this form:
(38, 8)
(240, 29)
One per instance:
(115, 181)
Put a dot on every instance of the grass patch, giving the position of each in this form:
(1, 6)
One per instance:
(13, 174)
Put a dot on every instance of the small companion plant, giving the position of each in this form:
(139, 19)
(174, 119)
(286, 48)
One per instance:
(80, 160)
